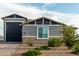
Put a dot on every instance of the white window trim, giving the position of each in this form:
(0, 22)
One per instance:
(37, 32)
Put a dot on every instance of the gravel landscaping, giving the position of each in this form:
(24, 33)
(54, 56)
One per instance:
(54, 51)
(19, 49)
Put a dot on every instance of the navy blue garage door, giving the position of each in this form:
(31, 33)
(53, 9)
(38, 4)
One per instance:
(13, 32)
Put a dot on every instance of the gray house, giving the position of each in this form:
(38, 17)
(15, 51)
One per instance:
(20, 29)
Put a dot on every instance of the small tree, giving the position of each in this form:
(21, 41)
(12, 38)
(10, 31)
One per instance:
(69, 35)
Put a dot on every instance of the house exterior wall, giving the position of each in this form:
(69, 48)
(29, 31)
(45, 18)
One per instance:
(33, 40)
(55, 31)
(29, 33)
(32, 30)
(36, 41)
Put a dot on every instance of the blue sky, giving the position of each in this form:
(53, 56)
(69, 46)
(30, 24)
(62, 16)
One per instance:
(61, 7)
(67, 13)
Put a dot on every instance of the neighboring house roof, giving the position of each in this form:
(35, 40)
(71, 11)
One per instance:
(13, 16)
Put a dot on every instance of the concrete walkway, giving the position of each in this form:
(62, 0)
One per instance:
(8, 49)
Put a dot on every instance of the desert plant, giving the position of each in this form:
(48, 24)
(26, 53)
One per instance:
(54, 42)
(75, 48)
(69, 36)
(42, 48)
(32, 52)
(76, 41)
(37, 48)
(69, 43)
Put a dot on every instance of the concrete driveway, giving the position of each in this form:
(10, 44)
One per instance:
(8, 49)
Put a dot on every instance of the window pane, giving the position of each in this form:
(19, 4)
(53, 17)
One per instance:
(45, 36)
(43, 32)
(40, 30)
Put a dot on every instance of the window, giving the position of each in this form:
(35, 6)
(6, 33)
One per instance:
(42, 32)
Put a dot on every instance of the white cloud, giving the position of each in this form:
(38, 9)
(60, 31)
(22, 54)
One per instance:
(32, 12)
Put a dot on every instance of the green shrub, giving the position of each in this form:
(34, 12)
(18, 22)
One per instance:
(69, 43)
(32, 52)
(76, 41)
(42, 48)
(75, 48)
(38, 48)
(54, 42)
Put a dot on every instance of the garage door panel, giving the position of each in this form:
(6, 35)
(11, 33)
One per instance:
(13, 32)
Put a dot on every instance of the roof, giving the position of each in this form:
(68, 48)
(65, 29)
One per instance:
(13, 15)
(16, 15)
(51, 20)
(48, 19)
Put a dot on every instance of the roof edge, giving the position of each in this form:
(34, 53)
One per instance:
(12, 14)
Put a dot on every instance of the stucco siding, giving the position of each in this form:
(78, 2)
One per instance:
(29, 31)
(32, 31)
(55, 31)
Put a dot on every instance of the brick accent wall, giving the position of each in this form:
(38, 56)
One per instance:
(35, 40)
